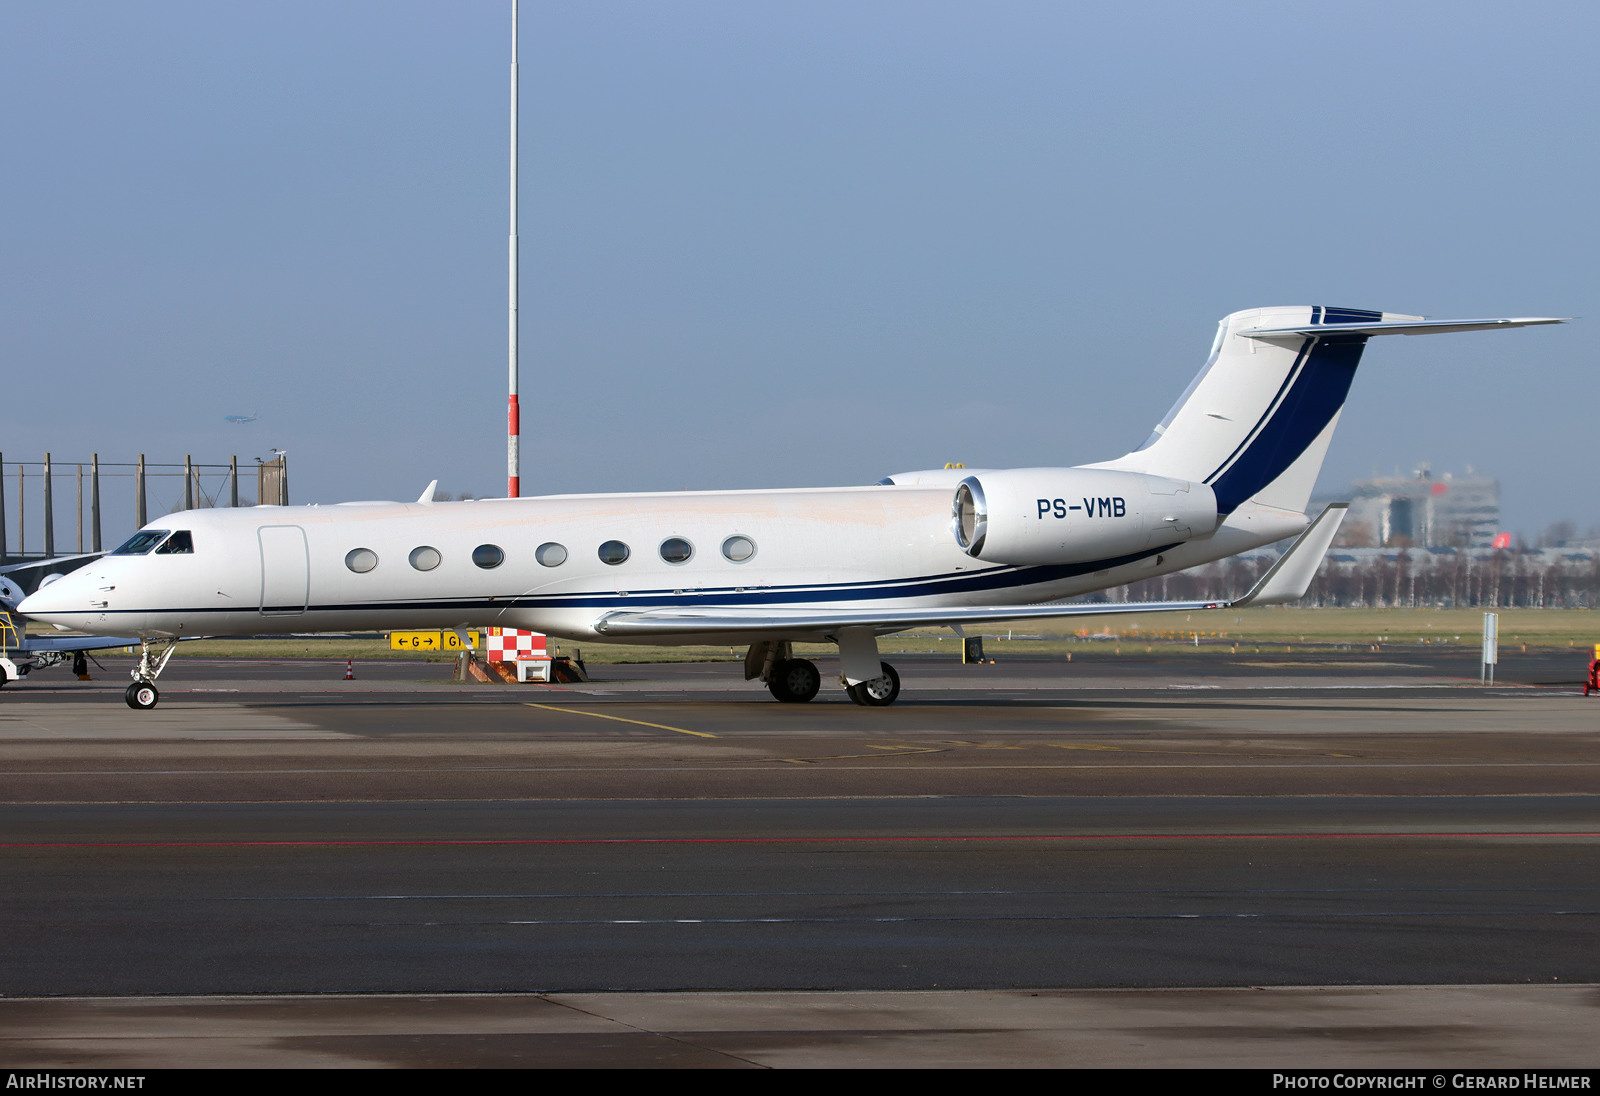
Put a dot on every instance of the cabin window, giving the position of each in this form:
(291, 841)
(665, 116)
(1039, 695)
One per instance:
(488, 555)
(614, 552)
(551, 554)
(141, 542)
(676, 550)
(425, 558)
(361, 560)
(180, 543)
(738, 549)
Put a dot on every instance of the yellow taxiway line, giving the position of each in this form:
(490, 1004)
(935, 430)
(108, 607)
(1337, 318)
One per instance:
(620, 719)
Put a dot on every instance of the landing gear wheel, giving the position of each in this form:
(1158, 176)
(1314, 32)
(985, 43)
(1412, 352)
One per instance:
(142, 695)
(880, 692)
(794, 680)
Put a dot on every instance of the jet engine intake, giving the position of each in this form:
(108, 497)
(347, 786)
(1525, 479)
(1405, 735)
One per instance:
(1028, 516)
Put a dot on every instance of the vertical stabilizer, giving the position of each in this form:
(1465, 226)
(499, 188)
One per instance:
(1256, 423)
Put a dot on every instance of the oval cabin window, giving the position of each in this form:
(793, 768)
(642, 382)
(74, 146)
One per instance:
(738, 549)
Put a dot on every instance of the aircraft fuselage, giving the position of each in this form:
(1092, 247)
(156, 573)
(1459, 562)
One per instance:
(358, 566)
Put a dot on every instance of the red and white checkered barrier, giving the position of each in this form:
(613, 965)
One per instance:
(528, 653)
(515, 645)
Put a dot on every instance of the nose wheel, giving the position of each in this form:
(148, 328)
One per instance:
(142, 695)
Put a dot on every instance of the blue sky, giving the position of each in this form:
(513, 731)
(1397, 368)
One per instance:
(783, 244)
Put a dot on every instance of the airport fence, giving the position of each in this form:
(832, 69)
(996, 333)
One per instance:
(1403, 578)
(42, 492)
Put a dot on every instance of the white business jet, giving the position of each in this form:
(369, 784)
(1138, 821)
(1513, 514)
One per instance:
(1229, 469)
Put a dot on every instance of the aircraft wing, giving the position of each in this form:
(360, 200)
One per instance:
(1288, 580)
(37, 643)
(53, 562)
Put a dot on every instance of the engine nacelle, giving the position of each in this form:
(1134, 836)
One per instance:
(1027, 516)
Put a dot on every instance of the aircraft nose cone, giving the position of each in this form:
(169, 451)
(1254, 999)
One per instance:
(60, 596)
(36, 604)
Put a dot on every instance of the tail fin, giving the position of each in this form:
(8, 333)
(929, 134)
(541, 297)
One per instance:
(1256, 422)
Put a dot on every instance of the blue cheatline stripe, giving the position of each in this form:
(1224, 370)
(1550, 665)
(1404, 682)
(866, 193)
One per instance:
(1315, 396)
(997, 578)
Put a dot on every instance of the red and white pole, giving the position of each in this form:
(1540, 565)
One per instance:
(514, 431)
(513, 425)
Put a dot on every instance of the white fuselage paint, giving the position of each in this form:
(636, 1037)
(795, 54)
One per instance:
(880, 546)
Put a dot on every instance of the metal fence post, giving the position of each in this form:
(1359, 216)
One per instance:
(94, 502)
(49, 513)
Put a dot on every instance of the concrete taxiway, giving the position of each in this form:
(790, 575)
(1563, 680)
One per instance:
(708, 877)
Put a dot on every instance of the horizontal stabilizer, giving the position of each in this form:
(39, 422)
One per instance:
(1409, 326)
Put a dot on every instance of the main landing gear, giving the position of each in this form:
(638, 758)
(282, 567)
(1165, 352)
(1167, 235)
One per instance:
(866, 680)
(143, 694)
(794, 680)
(878, 692)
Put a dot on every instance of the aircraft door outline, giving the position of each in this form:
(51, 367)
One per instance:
(285, 570)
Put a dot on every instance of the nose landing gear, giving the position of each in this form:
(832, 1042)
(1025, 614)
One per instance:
(143, 694)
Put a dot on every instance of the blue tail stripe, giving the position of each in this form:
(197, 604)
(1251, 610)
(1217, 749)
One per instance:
(1272, 409)
(1350, 315)
(1308, 407)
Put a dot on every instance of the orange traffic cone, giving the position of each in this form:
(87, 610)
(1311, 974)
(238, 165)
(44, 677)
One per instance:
(349, 669)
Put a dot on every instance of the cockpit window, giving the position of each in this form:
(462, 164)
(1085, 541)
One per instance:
(180, 543)
(141, 542)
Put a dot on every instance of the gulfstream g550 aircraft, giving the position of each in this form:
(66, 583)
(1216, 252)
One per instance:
(1230, 468)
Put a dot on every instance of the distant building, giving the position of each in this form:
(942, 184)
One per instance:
(1424, 511)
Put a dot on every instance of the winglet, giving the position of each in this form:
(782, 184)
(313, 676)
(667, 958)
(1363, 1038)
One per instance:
(1290, 578)
(426, 498)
